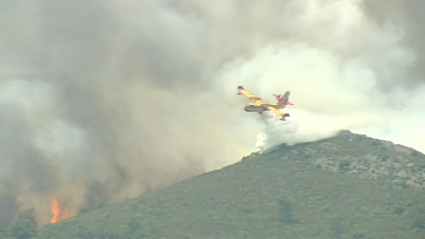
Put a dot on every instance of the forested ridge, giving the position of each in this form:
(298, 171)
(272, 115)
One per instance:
(325, 189)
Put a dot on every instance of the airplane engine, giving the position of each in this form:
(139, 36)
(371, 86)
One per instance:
(250, 108)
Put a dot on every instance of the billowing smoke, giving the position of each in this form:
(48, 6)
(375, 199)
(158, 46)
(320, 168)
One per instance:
(102, 100)
(347, 67)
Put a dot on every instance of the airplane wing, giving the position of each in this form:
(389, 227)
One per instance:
(242, 91)
(278, 112)
(274, 110)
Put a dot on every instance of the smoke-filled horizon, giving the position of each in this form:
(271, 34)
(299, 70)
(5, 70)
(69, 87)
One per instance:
(102, 100)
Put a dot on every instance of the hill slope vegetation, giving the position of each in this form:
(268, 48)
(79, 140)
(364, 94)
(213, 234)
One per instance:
(346, 187)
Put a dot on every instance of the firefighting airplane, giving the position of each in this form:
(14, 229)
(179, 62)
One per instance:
(260, 106)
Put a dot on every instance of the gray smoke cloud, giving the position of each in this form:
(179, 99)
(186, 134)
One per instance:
(347, 66)
(102, 100)
(408, 15)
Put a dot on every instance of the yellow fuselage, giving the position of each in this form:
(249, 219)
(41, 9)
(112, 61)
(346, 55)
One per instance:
(259, 106)
(263, 104)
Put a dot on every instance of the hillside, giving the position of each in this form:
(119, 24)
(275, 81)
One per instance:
(348, 186)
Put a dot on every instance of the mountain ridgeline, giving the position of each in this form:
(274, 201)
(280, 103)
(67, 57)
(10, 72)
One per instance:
(361, 156)
(346, 187)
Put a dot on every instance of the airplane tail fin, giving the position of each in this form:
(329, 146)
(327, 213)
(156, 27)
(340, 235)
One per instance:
(283, 100)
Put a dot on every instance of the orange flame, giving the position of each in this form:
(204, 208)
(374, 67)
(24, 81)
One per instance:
(56, 211)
